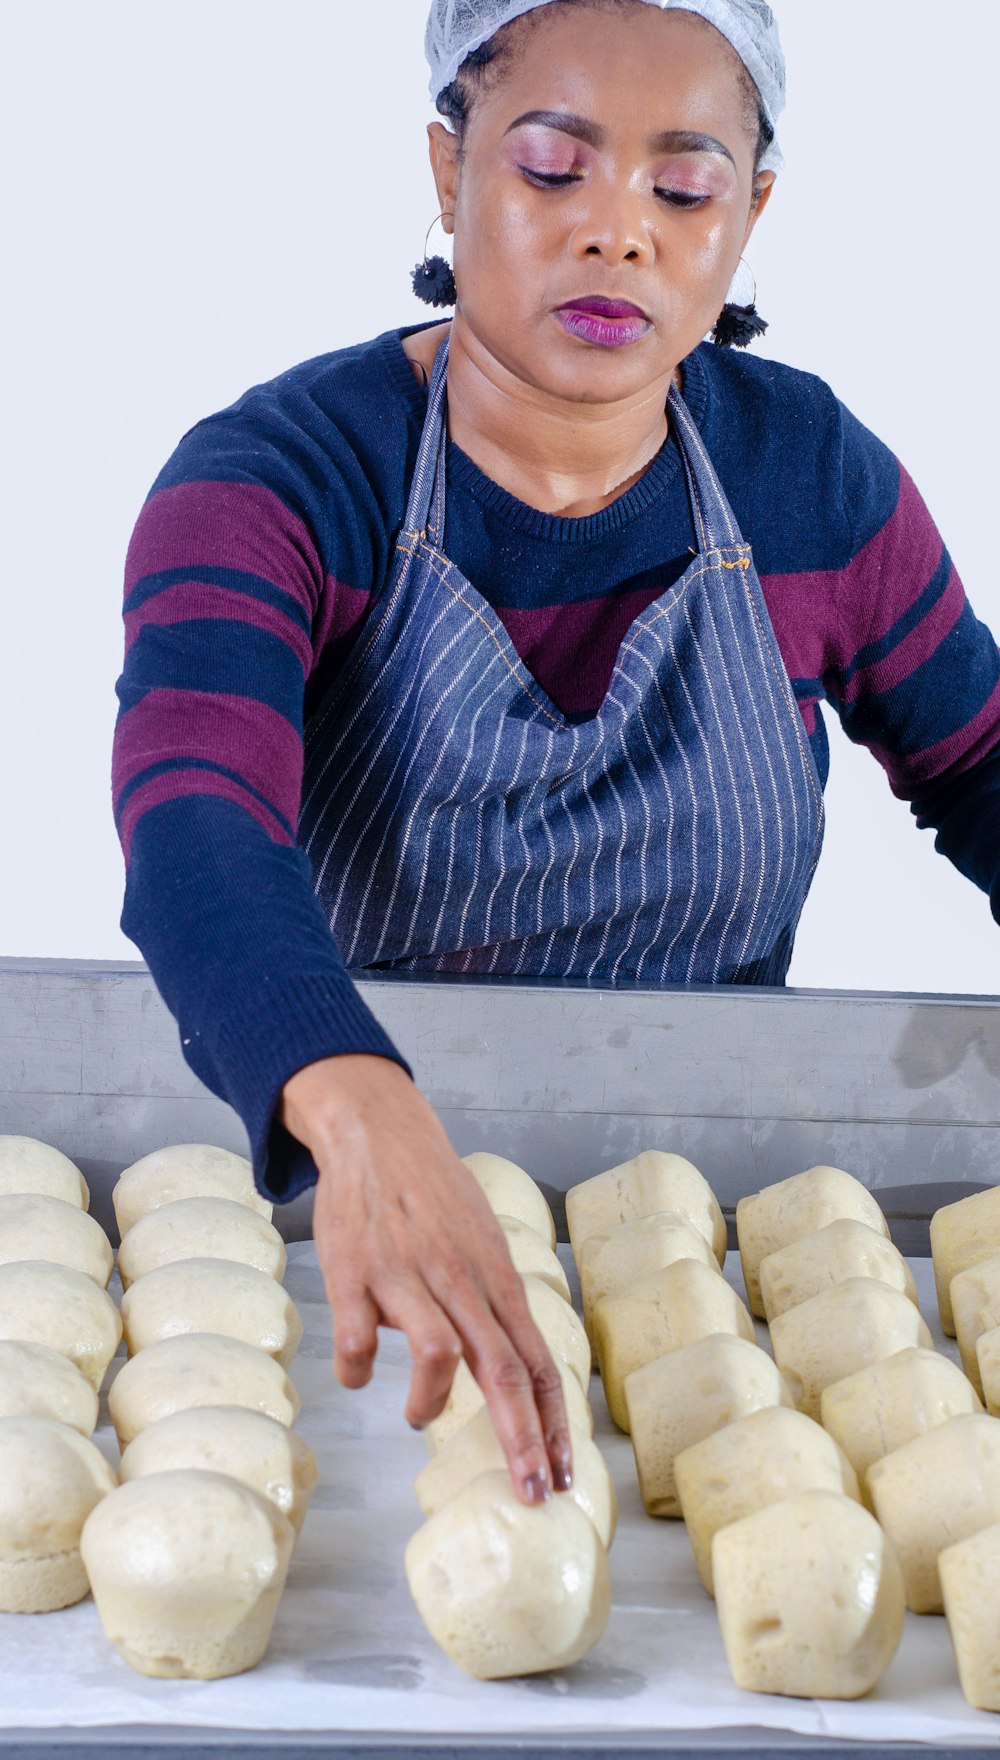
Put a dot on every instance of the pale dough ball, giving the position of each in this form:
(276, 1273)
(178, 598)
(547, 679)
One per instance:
(608, 1264)
(256, 1450)
(816, 1262)
(988, 1362)
(674, 1307)
(506, 1589)
(970, 1581)
(941, 1487)
(755, 1462)
(833, 1334)
(560, 1326)
(51, 1479)
(650, 1182)
(532, 1256)
(962, 1234)
(212, 1295)
(187, 1570)
(36, 1227)
(476, 1449)
(197, 1369)
(65, 1309)
(200, 1228)
(38, 1382)
(677, 1400)
(782, 1213)
(510, 1191)
(810, 1598)
(26, 1165)
(975, 1306)
(185, 1170)
(885, 1404)
(467, 1397)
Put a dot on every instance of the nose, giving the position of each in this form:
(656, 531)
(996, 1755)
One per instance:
(614, 229)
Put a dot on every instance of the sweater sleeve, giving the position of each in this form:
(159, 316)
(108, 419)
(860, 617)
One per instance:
(229, 599)
(915, 675)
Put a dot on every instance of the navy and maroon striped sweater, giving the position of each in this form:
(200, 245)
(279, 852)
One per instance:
(252, 569)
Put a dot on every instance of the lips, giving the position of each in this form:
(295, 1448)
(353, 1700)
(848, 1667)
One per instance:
(604, 308)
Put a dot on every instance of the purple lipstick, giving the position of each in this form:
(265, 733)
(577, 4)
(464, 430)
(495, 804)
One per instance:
(606, 323)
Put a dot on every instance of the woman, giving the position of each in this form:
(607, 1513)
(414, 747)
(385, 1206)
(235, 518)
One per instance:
(566, 725)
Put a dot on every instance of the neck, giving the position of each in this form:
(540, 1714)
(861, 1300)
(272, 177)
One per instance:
(562, 457)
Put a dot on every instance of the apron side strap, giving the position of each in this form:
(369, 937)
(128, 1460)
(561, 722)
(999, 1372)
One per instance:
(715, 523)
(425, 507)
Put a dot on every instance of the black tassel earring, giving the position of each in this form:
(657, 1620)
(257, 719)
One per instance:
(433, 278)
(737, 326)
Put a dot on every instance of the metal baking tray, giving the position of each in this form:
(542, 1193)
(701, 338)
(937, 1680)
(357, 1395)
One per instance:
(752, 1085)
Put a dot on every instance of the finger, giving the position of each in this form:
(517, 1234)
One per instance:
(435, 1348)
(355, 1336)
(515, 1318)
(509, 1391)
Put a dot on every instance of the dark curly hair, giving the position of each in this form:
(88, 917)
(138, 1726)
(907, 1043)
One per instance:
(483, 69)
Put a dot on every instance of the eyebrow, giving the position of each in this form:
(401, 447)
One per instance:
(672, 140)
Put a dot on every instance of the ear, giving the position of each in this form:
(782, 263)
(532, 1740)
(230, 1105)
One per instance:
(763, 184)
(445, 159)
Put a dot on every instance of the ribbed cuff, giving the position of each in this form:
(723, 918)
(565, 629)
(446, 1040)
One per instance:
(292, 1022)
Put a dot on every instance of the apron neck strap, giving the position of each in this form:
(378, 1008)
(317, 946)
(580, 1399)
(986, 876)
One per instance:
(714, 520)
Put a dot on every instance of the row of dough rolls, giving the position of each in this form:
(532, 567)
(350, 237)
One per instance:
(187, 1547)
(809, 1593)
(503, 1588)
(59, 1330)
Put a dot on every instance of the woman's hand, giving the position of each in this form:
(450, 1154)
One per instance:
(406, 1238)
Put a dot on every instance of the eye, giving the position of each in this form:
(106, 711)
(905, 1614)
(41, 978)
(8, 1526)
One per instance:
(679, 198)
(549, 179)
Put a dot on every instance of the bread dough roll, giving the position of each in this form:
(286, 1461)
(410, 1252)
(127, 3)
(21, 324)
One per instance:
(757, 1461)
(785, 1212)
(197, 1369)
(975, 1306)
(37, 1227)
(184, 1170)
(608, 1264)
(506, 1589)
(878, 1408)
(560, 1326)
(51, 1479)
(810, 1598)
(467, 1397)
(200, 1228)
(256, 1450)
(833, 1334)
(683, 1302)
(679, 1399)
(970, 1582)
(941, 1487)
(650, 1182)
(988, 1363)
(816, 1262)
(510, 1191)
(187, 1570)
(37, 1382)
(26, 1165)
(476, 1449)
(212, 1295)
(532, 1256)
(962, 1234)
(65, 1309)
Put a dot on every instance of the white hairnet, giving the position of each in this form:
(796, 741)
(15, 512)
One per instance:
(456, 27)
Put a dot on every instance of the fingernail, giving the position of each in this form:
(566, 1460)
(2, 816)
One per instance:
(414, 1423)
(562, 1478)
(536, 1488)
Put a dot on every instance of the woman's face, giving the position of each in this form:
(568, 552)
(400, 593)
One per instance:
(602, 200)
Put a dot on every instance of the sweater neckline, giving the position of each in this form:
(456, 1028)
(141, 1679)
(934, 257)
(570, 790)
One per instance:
(518, 515)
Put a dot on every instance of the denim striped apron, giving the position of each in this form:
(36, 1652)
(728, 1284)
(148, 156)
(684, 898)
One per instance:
(457, 822)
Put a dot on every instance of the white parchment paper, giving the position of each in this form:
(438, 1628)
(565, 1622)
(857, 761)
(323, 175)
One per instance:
(349, 1652)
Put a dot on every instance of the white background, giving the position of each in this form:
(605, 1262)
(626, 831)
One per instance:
(207, 191)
